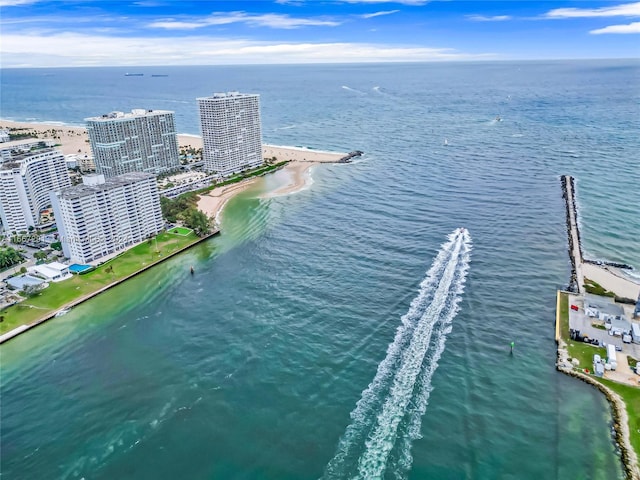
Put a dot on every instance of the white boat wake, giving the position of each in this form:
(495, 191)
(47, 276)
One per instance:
(388, 416)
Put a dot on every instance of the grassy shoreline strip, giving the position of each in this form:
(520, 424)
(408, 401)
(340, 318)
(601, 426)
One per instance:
(244, 176)
(128, 265)
(623, 399)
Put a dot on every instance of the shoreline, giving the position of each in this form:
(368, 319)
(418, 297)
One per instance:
(616, 284)
(75, 140)
(73, 303)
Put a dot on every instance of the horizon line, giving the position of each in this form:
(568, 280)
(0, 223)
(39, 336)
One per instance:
(477, 60)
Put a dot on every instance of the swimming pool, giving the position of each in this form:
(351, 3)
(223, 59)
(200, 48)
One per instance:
(80, 269)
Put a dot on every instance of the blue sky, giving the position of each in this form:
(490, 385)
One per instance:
(38, 33)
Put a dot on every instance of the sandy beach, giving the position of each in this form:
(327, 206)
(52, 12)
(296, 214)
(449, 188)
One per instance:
(611, 279)
(75, 140)
(72, 139)
(299, 170)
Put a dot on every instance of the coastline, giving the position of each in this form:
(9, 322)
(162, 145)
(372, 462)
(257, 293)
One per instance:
(51, 314)
(580, 269)
(75, 140)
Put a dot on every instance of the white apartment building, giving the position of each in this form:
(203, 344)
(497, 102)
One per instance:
(25, 183)
(140, 141)
(231, 132)
(101, 217)
(19, 147)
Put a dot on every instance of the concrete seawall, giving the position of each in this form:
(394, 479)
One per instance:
(23, 328)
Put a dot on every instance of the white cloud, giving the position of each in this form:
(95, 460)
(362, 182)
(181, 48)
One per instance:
(271, 20)
(630, 28)
(15, 3)
(482, 18)
(624, 10)
(403, 2)
(378, 14)
(73, 49)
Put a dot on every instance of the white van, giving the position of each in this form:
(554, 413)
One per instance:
(635, 332)
(611, 356)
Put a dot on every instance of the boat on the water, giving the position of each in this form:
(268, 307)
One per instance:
(62, 312)
(159, 75)
(134, 74)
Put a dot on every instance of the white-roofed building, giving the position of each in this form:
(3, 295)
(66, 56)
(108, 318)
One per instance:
(52, 272)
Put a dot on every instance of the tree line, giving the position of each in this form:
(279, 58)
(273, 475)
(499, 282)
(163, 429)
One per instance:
(184, 209)
(9, 257)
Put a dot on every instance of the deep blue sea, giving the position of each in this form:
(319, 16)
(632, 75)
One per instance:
(348, 330)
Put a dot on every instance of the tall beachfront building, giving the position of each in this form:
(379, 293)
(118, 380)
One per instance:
(231, 132)
(103, 216)
(140, 141)
(25, 183)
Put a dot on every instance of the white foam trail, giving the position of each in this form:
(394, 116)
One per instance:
(373, 462)
(353, 90)
(398, 351)
(424, 388)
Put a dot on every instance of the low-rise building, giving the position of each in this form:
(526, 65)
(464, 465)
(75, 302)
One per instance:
(603, 308)
(51, 272)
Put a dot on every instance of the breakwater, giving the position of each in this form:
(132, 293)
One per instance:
(347, 158)
(23, 328)
(623, 266)
(576, 281)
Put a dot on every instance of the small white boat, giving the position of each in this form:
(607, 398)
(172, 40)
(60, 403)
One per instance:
(62, 312)
(446, 142)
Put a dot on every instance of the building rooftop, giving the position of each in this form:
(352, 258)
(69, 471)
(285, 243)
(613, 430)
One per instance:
(108, 184)
(229, 95)
(135, 113)
(16, 160)
(603, 304)
(23, 142)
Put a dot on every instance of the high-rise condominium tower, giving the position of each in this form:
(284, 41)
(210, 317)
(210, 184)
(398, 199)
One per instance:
(231, 132)
(101, 217)
(140, 141)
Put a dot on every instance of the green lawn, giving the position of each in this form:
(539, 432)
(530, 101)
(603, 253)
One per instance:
(584, 353)
(181, 231)
(631, 397)
(59, 294)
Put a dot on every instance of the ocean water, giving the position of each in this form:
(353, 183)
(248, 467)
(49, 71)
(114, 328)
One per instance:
(346, 331)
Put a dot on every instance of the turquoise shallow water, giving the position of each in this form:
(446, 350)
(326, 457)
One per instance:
(251, 368)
